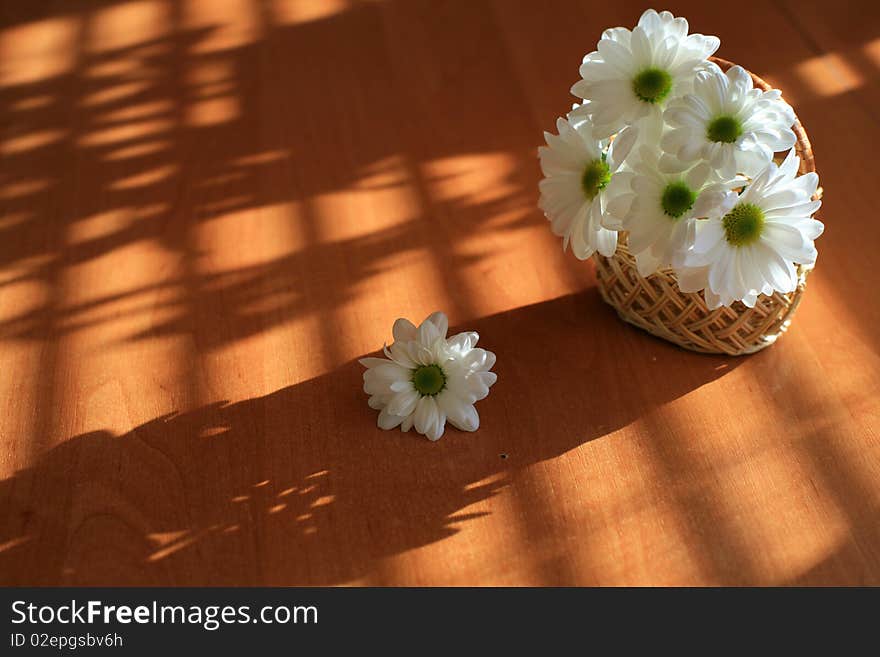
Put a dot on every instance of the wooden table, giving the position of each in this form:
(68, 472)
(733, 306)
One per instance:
(212, 209)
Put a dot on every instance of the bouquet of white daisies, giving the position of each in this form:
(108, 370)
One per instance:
(679, 153)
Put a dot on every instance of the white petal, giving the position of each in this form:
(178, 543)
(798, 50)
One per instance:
(462, 416)
(740, 81)
(646, 230)
(478, 360)
(621, 146)
(789, 167)
(811, 228)
(466, 418)
(719, 280)
(474, 388)
(789, 242)
(617, 56)
(692, 279)
(427, 418)
(751, 273)
(403, 403)
(401, 353)
(386, 371)
(713, 300)
(751, 161)
(435, 431)
(796, 212)
(377, 402)
(441, 321)
(650, 21)
(709, 233)
(488, 378)
(676, 138)
(672, 164)
(606, 242)
(641, 47)
(428, 334)
(403, 330)
(647, 263)
(696, 177)
(773, 269)
(464, 341)
(616, 209)
(596, 70)
(388, 421)
(581, 234)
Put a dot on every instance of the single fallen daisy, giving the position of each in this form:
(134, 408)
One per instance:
(634, 73)
(661, 209)
(754, 247)
(579, 178)
(427, 379)
(728, 123)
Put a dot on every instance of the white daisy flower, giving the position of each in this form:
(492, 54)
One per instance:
(753, 247)
(727, 122)
(578, 170)
(633, 73)
(660, 210)
(427, 379)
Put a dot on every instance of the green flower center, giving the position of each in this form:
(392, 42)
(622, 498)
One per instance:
(596, 176)
(726, 129)
(652, 85)
(744, 224)
(429, 379)
(677, 199)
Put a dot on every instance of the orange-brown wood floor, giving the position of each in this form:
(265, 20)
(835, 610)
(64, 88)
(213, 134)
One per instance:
(210, 210)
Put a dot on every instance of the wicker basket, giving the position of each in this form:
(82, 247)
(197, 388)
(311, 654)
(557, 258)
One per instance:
(656, 305)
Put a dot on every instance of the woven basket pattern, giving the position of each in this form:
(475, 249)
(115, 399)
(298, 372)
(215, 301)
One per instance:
(656, 305)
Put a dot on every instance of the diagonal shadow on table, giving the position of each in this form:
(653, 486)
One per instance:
(299, 487)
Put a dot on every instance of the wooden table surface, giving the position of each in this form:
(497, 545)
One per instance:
(210, 210)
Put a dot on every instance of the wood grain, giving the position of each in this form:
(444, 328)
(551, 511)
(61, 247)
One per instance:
(210, 210)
